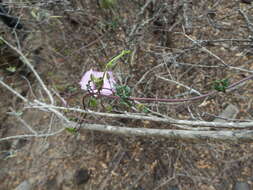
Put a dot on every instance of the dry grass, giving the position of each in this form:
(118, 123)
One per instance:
(85, 36)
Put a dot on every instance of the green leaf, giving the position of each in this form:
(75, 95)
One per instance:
(142, 108)
(71, 129)
(145, 110)
(109, 108)
(124, 92)
(111, 64)
(92, 102)
(71, 89)
(97, 81)
(221, 85)
(11, 69)
(125, 102)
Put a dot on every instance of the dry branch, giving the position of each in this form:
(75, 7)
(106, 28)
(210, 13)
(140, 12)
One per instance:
(232, 135)
(242, 135)
(29, 65)
(234, 125)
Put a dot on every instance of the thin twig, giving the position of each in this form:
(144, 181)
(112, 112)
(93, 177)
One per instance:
(13, 91)
(27, 62)
(249, 24)
(206, 50)
(24, 123)
(180, 84)
(31, 135)
(229, 125)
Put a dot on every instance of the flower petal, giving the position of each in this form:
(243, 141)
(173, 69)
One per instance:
(108, 85)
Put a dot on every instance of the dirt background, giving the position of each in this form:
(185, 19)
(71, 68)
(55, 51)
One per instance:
(63, 39)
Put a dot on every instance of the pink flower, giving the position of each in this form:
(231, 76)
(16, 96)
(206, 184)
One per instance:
(108, 85)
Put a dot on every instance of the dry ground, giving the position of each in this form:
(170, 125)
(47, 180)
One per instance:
(163, 45)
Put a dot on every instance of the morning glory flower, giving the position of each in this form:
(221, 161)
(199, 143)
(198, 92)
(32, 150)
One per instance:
(108, 82)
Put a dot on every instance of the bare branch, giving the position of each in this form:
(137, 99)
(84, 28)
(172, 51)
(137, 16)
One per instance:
(13, 91)
(244, 135)
(24, 123)
(180, 84)
(31, 135)
(229, 125)
(249, 24)
(27, 62)
(207, 51)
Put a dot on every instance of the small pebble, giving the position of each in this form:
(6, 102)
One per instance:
(25, 185)
(241, 186)
(82, 176)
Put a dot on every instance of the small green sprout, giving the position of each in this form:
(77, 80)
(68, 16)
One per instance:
(71, 88)
(111, 64)
(92, 102)
(71, 130)
(142, 108)
(11, 69)
(109, 108)
(221, 85)
(124, 92)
